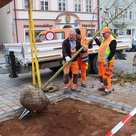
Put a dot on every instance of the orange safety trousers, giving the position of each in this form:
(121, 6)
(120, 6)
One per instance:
(105, 72)
(82, 67)
(74, 69)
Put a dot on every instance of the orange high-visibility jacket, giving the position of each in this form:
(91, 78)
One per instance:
(84, 56)
(104, 49)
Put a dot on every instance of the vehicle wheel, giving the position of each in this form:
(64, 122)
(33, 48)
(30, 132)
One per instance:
(92, 65)
(95, 64)
(133, 48)
(55, 69)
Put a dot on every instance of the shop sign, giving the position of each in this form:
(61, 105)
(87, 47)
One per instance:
(88, 25)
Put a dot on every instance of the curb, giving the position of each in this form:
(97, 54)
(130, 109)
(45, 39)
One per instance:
(76, 96)
(12, 112)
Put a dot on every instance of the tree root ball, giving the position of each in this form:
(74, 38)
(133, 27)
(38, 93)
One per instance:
(33, 99)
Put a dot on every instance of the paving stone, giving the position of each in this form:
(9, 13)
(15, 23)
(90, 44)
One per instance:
(15, 107)
(2, 105)
(6, 109)
(1, 93)
(123, 98)
(2, 111)
(7, 101)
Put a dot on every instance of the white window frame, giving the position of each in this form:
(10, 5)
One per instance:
(125, 13)
(88, 6)
(77, 5)
(62, 5)
(26, 4)
(45, 7)
(130, 15)
(26, 31)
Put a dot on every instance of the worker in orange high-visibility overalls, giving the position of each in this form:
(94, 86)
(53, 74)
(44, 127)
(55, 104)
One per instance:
(83, 58)
(106, 55)
(69, 48)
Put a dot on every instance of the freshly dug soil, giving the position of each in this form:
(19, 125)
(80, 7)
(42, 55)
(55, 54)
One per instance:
(69, 118)
(123, 77)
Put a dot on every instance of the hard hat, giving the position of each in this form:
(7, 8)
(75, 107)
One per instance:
(105, 30)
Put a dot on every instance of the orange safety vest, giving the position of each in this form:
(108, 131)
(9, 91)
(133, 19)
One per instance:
(104, 49)
(84, 56)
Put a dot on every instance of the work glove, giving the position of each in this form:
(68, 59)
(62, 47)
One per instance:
(67, 58)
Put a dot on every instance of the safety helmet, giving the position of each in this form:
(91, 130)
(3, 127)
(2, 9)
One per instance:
(105, 30)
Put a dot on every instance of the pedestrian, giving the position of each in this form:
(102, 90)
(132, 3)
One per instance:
(83, 58)
(106, 59)
(69, 47)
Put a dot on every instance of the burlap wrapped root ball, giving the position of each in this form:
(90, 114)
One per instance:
(33, 99)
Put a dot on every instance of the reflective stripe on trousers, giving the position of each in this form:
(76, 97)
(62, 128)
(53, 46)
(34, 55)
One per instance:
(74, 69)
(105, 73)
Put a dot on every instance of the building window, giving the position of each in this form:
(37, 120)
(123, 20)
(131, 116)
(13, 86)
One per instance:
(116, 31)
(130, 15)
(107, 13)
(128, 32)
(62, 5)
(44, 4)
(26, 4)
(78, 5)
(88, 6)
(36, 32)
(125, 13)
(26, 36)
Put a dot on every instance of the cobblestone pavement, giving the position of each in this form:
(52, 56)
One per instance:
(123, 98)
(126, 65)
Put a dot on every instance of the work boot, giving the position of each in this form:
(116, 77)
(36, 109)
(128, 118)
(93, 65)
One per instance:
(75, 90)
(101, 89)
(83, 84)
(106, 92)
(66, 91)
